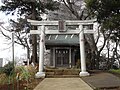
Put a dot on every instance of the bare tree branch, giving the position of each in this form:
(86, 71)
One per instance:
(105, 39)
(8, 37)
(69, 5)
(98, 35)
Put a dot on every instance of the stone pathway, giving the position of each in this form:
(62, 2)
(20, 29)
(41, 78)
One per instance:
(104, 81)
(63, 84)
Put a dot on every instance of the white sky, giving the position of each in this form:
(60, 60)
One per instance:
(5, 47)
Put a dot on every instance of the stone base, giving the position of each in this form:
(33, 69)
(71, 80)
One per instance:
(84, 74)
(40, 75)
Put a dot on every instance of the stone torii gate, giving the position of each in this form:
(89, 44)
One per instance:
(80, 31)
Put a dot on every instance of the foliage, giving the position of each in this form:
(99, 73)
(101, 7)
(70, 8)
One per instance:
(21, 28)
(25, 72)
(31, 9)
(31, 70)
(3, 78)
(7, 73)
(8, 69)
(107, 12)
(115, 71)
(26, 7)
(72, 10)
(1, 70)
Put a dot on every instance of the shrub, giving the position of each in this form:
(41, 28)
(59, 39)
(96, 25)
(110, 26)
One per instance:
(1, 70)
(115, 71)
(3, 79)
(25, 72)
(8, 69)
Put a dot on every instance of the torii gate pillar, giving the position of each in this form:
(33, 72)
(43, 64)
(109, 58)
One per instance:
(40, 73)
(82, 52)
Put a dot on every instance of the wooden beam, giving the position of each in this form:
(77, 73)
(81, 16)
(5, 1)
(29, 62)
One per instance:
(57, 32)
(35, 32)
(68, 22)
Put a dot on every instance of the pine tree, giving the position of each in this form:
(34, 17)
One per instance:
(30, 9)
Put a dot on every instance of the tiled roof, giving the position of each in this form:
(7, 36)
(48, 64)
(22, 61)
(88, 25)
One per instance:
(62, 40)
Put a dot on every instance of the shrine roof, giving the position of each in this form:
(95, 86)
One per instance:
(62, 40)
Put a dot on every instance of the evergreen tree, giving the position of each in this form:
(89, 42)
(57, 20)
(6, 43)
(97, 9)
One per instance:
(107, 13)
(30, 9)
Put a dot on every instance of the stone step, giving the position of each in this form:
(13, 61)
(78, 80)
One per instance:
(62, 71)
(62, 76)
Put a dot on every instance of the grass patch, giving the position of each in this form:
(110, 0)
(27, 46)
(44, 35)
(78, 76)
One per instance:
(115, 71)
(23, 78)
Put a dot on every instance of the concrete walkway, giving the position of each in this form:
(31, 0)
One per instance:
(103, 80)
(63, 84)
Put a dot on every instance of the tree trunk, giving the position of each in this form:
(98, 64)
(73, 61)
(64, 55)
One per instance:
(34, 39)
(108, 55)
(93, 49)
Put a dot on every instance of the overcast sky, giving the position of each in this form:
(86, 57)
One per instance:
(5, 47)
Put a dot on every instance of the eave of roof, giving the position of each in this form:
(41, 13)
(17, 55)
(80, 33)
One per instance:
(62, 40)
